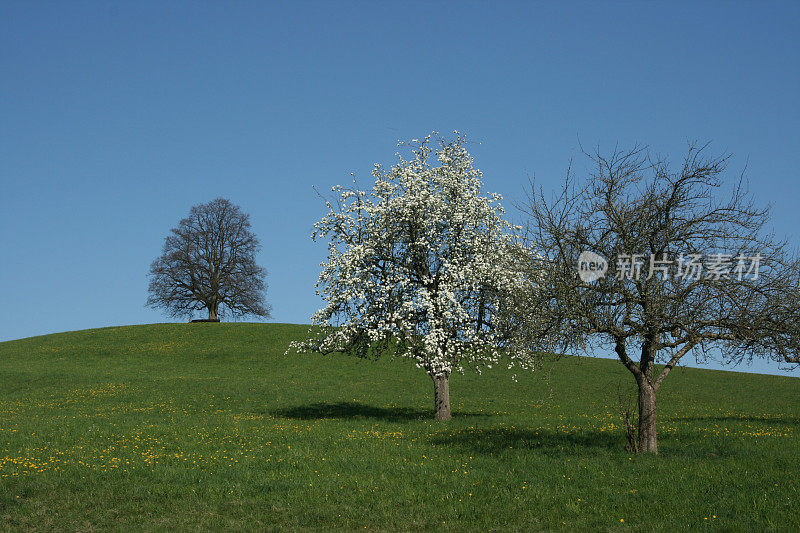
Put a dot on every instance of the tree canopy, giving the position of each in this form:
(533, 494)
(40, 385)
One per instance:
(209, 262)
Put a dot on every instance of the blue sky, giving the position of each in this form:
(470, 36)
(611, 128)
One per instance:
(117, 117)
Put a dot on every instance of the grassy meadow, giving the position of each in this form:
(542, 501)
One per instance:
(211, 426)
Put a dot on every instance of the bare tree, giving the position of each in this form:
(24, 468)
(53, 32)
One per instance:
(208, 262)
(693, 270)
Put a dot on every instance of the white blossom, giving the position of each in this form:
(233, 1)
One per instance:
(420, 264)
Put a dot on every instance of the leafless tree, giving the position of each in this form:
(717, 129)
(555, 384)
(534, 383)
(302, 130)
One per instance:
(208, 262)
(693, 288)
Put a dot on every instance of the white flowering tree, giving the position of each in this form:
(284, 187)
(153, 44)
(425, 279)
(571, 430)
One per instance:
(420, 267)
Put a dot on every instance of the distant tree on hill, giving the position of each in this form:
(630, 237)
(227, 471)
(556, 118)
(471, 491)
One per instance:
(208, 262)
(663, 262)
(418, 267)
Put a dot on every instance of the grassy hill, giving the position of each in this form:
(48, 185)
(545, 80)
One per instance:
(208, 426)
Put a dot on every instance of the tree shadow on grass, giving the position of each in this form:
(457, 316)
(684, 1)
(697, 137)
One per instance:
(353, 410)
(500, 440)
(554, 443)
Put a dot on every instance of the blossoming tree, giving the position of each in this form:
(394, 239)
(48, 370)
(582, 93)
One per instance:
(419, 267)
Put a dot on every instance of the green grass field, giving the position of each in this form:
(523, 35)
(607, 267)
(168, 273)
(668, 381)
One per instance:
(211, 426)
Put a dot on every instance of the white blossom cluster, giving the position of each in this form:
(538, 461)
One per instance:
(419, 264)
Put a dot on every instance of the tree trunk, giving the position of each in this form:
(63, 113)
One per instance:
(441, 396)
(648, 435)
(212, 313)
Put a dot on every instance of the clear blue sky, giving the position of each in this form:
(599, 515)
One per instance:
(116, 117)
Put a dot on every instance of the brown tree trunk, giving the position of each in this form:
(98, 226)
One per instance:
(441, 396)
(212, 313)
(648, 434)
